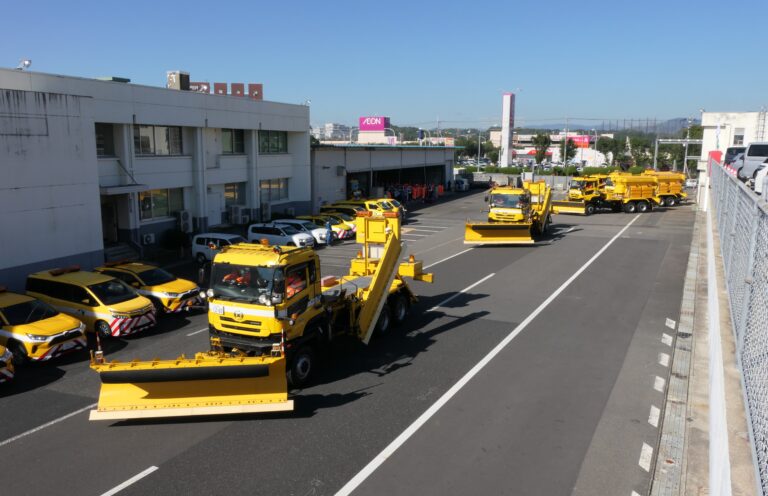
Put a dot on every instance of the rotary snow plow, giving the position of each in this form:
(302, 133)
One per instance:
(211, 383)
(516, 216)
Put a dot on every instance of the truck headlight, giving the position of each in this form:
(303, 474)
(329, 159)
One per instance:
(37, 338)
(209, 293)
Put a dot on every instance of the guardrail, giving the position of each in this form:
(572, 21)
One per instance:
(742, 222)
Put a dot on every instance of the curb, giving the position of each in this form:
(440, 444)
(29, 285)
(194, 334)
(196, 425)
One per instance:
(669, 471)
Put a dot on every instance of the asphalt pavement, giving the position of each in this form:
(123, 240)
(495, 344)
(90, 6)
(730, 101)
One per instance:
(563, 406)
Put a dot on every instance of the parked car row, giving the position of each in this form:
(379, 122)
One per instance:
(60, 307)
(750, 163)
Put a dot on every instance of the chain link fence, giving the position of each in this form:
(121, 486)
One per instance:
(742, 222)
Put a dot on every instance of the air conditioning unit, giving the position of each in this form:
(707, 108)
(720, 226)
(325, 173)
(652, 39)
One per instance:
(184, 221)
(290, 212)
(266, 212)
(148, 239)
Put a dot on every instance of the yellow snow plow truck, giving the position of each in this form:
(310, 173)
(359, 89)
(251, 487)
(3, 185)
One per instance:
(270, 313)
(584, 195)
(515, 215)
(616, 192)
(671, 186)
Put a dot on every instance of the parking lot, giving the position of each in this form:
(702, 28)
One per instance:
(541, 362)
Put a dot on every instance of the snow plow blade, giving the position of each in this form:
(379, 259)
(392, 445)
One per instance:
(209, 384)
(569, 207)
(497, 233)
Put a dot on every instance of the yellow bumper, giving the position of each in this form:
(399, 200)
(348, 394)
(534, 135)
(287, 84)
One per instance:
(496, 233)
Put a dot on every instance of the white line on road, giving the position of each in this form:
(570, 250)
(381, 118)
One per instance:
(197, 332)
(663, 359)
(653, 417)
(130, 481)
(460, 292)
(671, 323)
(437, 405)
(441, 244)
(646, 454)
(428, 229)
(47, 424)
(666, 339)
(658, 384)
(447, 258)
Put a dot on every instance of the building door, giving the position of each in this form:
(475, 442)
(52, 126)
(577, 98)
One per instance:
(109, 219)
(215, 206)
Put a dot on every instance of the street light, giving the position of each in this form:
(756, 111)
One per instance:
(350, 133)
(594, 163)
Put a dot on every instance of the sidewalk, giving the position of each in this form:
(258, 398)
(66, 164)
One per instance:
(684, 458)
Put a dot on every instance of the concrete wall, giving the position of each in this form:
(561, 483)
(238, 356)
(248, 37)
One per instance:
(49, 193)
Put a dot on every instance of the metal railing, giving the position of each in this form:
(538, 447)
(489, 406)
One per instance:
(742, 222)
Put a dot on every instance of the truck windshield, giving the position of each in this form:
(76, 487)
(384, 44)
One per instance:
(509, 200)
(114, 291)
(577, 185)
(28, 312)
(608, 182)
(247, 282)
(155, 277)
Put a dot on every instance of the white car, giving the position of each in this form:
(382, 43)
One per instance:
(691, 183)
(206, 245)
(279, 234)
(755, 158)
(307, 227)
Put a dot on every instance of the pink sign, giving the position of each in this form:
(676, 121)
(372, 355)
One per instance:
(373, 123)
(581, 141)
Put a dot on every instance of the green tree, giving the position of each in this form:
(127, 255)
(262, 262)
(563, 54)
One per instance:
(541, 143)
(608, 145)
(313, 141)
(570, 150)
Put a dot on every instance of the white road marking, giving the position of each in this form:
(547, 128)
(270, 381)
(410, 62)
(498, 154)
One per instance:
(413, 234)
(360, 477)
(460, 292)
(653, 417)
(658, 384)
(663, 359)
(47, 424)
(671, 323)
(666, 339)
(442, 244)
(646, 454)
(130, 481)
(634, 493)
(431, 229)
(197, 332)
(447, 258)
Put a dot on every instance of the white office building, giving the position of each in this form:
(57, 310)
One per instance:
(723, 130)
(88, 164)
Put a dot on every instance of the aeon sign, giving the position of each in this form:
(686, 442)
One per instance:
(373, 123)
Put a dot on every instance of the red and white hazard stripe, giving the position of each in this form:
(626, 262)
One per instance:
(61, 349)
(124, 327)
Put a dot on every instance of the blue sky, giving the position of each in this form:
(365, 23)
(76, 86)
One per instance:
(420, 60)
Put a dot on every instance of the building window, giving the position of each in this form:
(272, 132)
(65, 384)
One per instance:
(105, 140)
(273, 142)
(273, 189)
(232, 141)
(738, 136)
(234, 194)
(157, 140)
(160, 203)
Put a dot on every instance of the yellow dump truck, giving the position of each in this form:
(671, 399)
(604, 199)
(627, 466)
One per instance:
(671, 186)
(584, 195)
(515, 215)
(270, 314)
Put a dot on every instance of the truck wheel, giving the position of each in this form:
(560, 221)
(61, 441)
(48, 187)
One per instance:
(399, 308)
(302, 367)
(20, 356)
(589, 208)
(630, 207)
(671, 201)
(642, 206)
(103, 329)
(385, 320)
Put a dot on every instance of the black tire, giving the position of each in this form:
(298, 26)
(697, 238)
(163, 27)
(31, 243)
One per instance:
(302, 366)
(630, 207)
(642, 206)
(399, 305)
(201, 259)
(385, 320)
(103, 329)
(589, 208)
(671, 201)
(20, 356)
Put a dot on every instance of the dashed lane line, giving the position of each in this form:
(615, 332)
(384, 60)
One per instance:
(646, 455)
(130, 481)
(653, 417)
(47, 424)
(450, 298)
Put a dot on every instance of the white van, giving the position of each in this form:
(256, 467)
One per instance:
(755, 158)
(206, 245)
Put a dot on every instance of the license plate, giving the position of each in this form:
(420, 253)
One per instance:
(217, 309)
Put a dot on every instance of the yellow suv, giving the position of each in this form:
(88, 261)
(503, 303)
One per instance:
(6, 365)
(105, 305)
(168, 293)
(33, 330)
